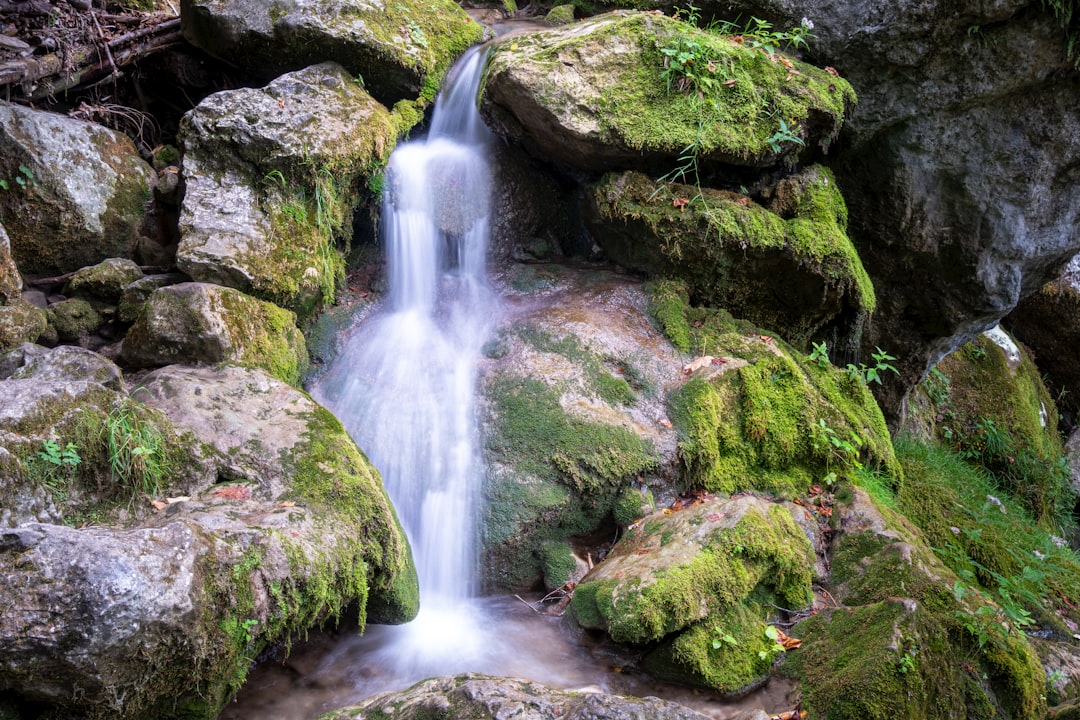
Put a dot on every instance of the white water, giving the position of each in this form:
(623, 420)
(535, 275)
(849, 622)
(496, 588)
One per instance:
(404, 385)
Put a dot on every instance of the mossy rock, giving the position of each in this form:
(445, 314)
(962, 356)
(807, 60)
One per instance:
(105, 281)
(74, 319)
(789, 267)
(400, 50)
(200, 323)
(989, 400)
(903, 641)
(20, 322)
(560, 15)
(592, 96)
(768, 419)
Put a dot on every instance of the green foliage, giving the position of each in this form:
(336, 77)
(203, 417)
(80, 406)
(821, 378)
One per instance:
(137, 449)
(1067, 13)
(782, 135)
(56, 466)
(819, 355)
(840, 453)
(24, 178)
(872, 374)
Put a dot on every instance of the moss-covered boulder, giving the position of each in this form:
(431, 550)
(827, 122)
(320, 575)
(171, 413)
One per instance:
(399, 49)
(74, 320)
(576, 427)
(20, 322)
(137, 293)
(759, 415)
(272, 177)
(200, 323)
(481, 697)
(274, 522)
(988, 400)
(786, 265)
(76, 191)
(902, 639)
(599, 95)
(560, 15)
(695, 576)
(104, 282)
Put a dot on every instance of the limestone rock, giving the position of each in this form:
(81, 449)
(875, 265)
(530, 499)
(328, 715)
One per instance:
(20, 322)
(201, 323)
(105, 281)
(789, 267)
(481, 697)
(591, 96)
(74, 320)
(138, 292)
(77, 191)
(10, 280)
(69, 362)
(400, 48)
(272, 176)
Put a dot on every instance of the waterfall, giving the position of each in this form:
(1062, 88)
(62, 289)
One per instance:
(404, 383)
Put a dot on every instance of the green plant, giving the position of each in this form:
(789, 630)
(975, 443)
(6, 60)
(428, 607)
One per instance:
(843, 452)
(907, 662)
(819, 355)
(937, 386)
(775, 648)
(872, 374)
(136, 448)
(784, 134)
(721, 638)
(416, 33)
(58, 464)
(24, 176)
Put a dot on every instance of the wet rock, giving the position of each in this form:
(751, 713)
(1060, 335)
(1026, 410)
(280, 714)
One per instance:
(399, 49)
(483, 697)
(77, 191)
(193, 323)
(590, 96)
(272, 176)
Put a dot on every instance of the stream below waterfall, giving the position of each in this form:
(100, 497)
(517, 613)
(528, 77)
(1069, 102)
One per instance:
(404, 385)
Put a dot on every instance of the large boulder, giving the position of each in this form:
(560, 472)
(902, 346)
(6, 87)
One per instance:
(481, 697)
(689, 577)
(398, 49)
(76, 193)
(274, 522)
(272, 177)
(20, 322)
(593, 96)
(946, 170)
(201, 323)
(788, 267)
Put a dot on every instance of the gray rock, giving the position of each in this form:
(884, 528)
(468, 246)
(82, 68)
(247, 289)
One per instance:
(104, 281)
(15, 358)
(137, 293)
(399, 48)
(193, 323)
(590, 96)
(481, 697)
(69, 362)
(20, 322)
(10, 281)
(271, 180)
(82, 192)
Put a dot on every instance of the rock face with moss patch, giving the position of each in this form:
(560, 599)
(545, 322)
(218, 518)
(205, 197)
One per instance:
(898, 642)
(787, 266)
(575, 422)
(76, 191)
(480, 697)
(20, 322)
(401, 49)
(674, 578)
(276, 523)
(10, 280)
(199, 323)
(272, 177)
(592, 96)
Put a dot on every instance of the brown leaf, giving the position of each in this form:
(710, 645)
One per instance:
(703, 361)
(832, 71)
(787, 641)
(680, 202)
(730, 83)
(287, 503)
(232, 492)
(158, 505)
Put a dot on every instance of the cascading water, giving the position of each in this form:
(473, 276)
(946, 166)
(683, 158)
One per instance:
(406, 384)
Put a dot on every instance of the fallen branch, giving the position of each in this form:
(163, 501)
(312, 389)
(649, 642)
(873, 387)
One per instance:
(529, 605)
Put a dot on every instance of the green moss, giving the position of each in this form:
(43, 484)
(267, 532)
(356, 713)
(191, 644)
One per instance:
(559, 563)
(74, 319)
(759, 425)
(632, 504)
(731, 123)
(560, 15)
(727, 249)
(264, 336)
(744, 657)
(771, 551)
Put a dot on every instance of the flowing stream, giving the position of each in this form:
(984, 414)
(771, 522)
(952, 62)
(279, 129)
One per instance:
(404, 385)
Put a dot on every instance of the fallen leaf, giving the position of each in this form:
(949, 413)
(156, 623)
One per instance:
(715, 517)
(831, 70)
(680, 202)
(667, 511)
(158, 505)
(730, 83)
(177, 499)
(787, 641)
(666, 423)
(766, 338)
(233, 492)
(703, 361)
(287, 503)
(815, 490)
(644, 551)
